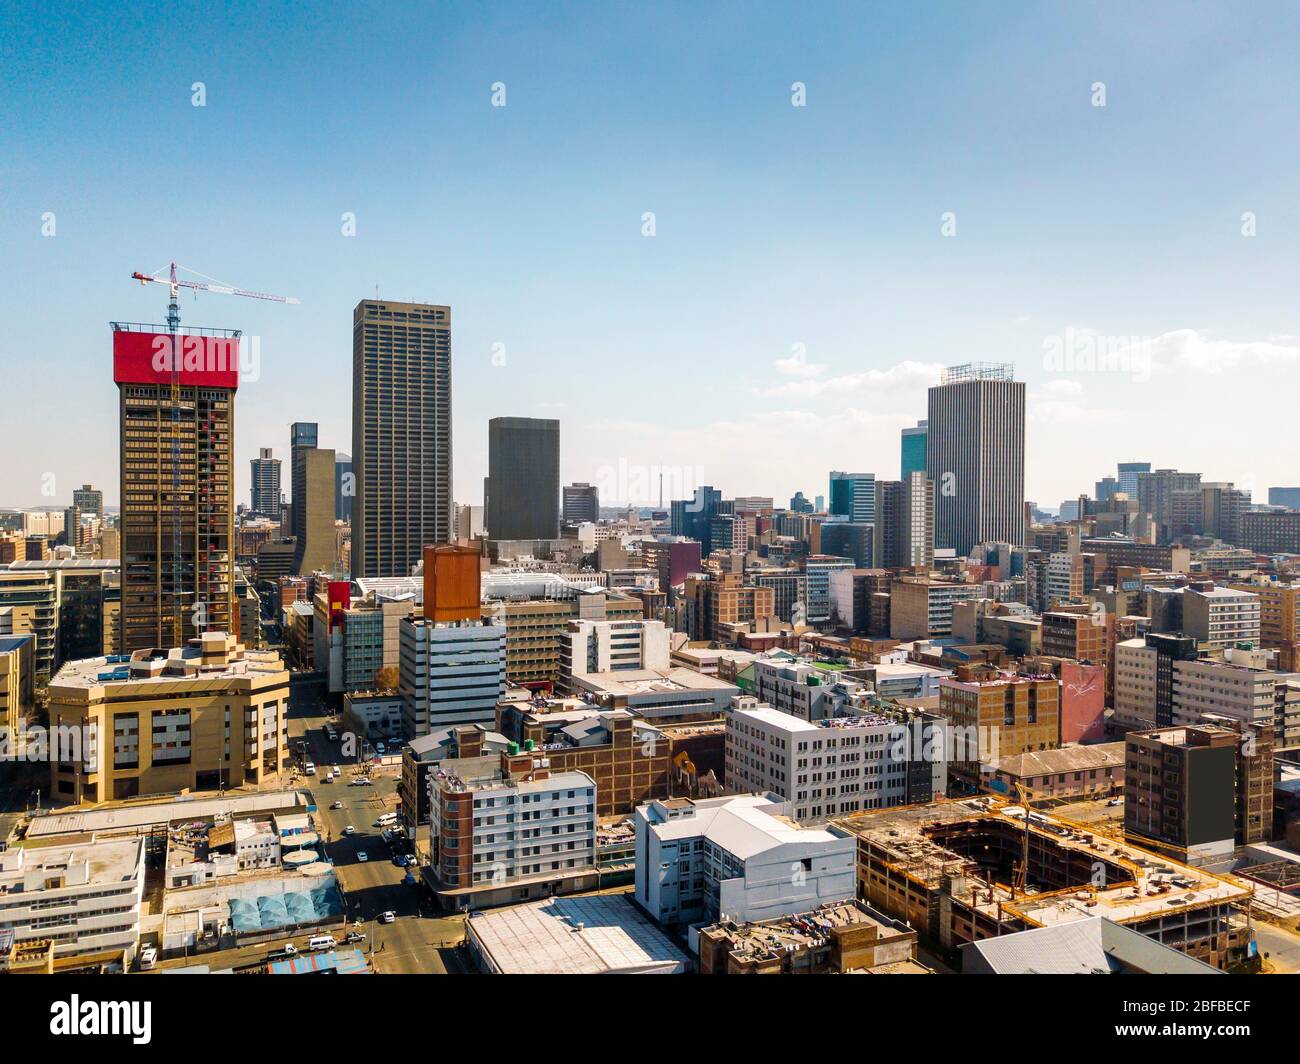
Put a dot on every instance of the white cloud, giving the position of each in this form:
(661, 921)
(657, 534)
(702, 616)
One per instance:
(1190, 349)
(902, 376)
(797, 365)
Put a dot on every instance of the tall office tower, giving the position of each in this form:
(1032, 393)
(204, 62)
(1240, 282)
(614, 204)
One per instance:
(799, 504)
(906, 525)
(344, 487)
(89, 500)
(1155, 496)
(853, 495)
(1105, 489)
(401, 434)
(914, 445)
(178, 493)
(693, 517)
(266, 484)
(523, 478)
(581, 503)
(975, 454)
(315, 543)
(71, 526)
(1128, 477)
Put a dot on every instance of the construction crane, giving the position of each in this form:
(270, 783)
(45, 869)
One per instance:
(175, 284)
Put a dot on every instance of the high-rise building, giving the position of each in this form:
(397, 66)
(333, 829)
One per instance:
(693, 517)
(344, 487)
(853, 495)
(89, 500)
(313, 502)
(581, 503)
(523, 485)
(401, 434)
(177, 483)
(906, 524)
(1288, 497)
(1156, 493)
(799, 504)
(975, 454)
(914, 449)
(265, 498)
(1128, 477)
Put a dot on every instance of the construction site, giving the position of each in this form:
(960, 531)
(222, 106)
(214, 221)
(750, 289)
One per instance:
(960, 871)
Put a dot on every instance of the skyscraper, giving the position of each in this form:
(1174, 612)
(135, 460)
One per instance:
(906, 522)
(914, 445)
(975, 454)
(853, 495)
(523, 485)
(177, 489)
(89, 500)
(1128, 477)
(401, 434)
(313, 501)
(266, 484)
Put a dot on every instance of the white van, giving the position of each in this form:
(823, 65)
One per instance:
(321, 942)
(309, 769)
(385, 820)
(148, 958)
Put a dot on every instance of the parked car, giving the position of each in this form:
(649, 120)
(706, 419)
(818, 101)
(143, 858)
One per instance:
(387, 916)
(148, 958)
(349, 830)
(355, 936)
(362, 856)
(290, 949)
(336, 805)
(360, 781)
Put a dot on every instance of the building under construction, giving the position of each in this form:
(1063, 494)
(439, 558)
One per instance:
(960, 871)
(177, 401)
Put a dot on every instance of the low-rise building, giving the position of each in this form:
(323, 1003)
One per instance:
(736, 858)
(1095, 771)
(207, 716)
(84, 898)
(831, 940)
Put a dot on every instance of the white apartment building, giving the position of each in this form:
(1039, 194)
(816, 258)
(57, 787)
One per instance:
(503, 829)
(830, 767)
(817, 573)
(1221, 617)
(450, 673)
(736, 858)
(84, 898)
(1135, 685)
(1240, 687)
(589, 647)
(802, 689)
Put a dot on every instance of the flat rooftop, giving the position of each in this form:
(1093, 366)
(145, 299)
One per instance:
(759, 940)
(1065, 759)
(114, 861)
(631, 682)
(140, 815)
(596, 935)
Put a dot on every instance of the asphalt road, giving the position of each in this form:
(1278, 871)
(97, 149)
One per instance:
(421, 939)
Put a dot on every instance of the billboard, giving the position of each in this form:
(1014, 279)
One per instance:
(340, 598)
(149, 358)
(451, 582)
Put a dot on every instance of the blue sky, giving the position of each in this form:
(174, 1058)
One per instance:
(798, 294)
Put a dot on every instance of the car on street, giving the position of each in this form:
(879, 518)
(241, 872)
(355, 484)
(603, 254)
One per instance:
(349, 830)
(336, 805)
(289, 949)
(355, 936)
(360, 781)
(387, 916)
(362, 856)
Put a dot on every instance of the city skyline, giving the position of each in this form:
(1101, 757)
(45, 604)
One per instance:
(1073, 217)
